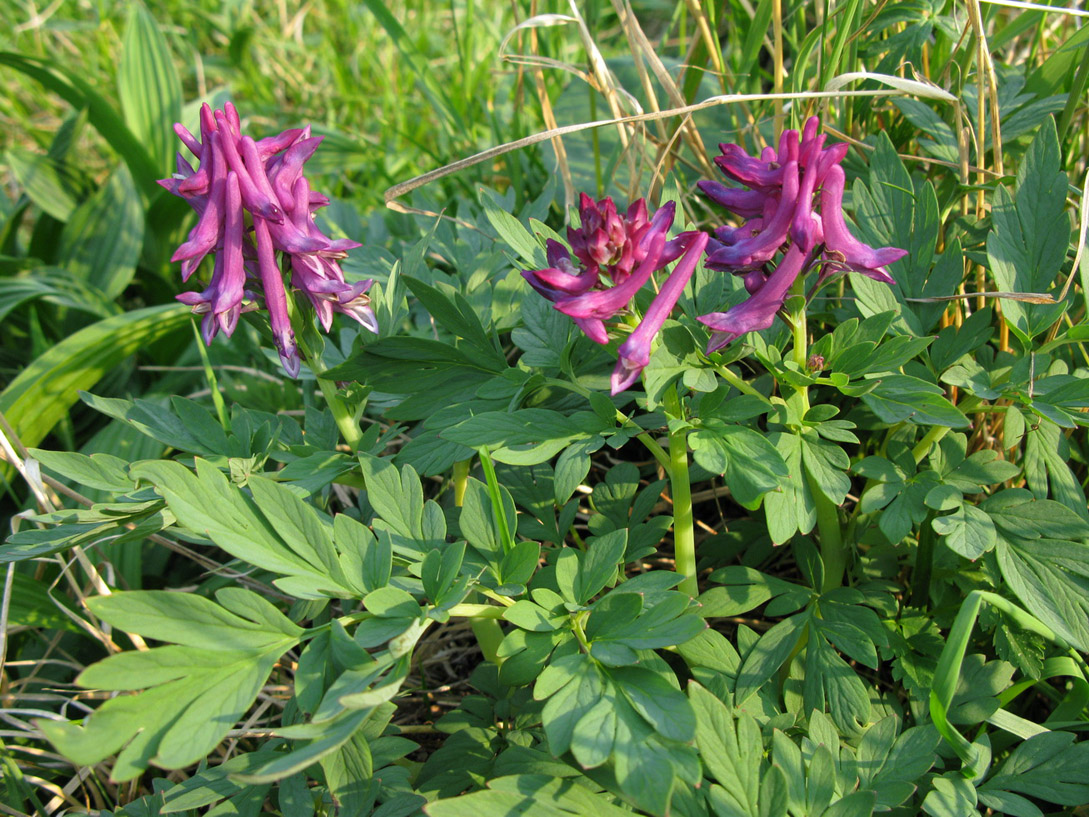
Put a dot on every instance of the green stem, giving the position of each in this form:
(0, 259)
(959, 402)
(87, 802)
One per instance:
(484, 624)
(345, 419)
(684, 534)
(484, 612)
(833, 551)
(738, 383)
(799, 330)
(461, 480)
(936, 433)
(924, 560)
(656, 450)
(213, 385)
(489, 635)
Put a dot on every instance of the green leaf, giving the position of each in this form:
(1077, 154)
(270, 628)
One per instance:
(479, 523)
(891, 210)
(149, 87)
(967, 531)
(593, 736)
(831, 685)
(511, 231)
(569, 704)
(102, 240)
(40, 396)
(524, 436)
(564, 794)
(322, 740)
(792, 509)
(367, 561)
(32, 605)
(195, 690)
(213, 784)
(1047, 455)
(1060, 398)
(56, 286)
(200, 435)
(661, 704)
(494, 804)
(855, 804)
(1051, 578)
(730, 747)
(954, 342)
(751, 464)
(744, 589)
(572, 467)
(599, 564)
(103, 472)
(391, 602)
(891, 764)
(545, 332)
(451, 311)
(299, 525)
(51, 184)
(825, 464)
(1031, 234)
(897, 398)
(768, 655)
(530, 616)
(189, 620)
(1049, 766)
(208, 504)
(952, 796)
(349, 773)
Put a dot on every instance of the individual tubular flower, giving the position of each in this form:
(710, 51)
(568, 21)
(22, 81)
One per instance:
(613, 258)
(785, 185)
(634, 353)
(255, 208)
(758, 312)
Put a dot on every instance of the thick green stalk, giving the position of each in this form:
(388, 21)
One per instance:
(738, 383)
(936, 433)
(833, 550)
(345, 419)
(477, 611)
(684, 534)
(461, 480)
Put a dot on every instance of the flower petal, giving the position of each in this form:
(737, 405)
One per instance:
(634, 353)
(758, 312)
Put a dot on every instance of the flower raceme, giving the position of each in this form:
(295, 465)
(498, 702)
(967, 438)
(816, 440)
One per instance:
(784, 183)
(614, 256)
(256, 208)
(792, 209)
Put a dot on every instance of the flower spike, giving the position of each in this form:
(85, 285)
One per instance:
(240, 181)
(786, 184)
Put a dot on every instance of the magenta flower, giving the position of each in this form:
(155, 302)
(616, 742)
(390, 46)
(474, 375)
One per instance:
(256, 208)
(634, 353)
(614, 257)
(781, 217)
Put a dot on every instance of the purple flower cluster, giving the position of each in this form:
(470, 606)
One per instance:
(616, 255)
(793, 207)
(253, 202)
(780, 216)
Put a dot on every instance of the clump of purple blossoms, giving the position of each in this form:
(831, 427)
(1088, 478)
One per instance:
(781, 216)
(614, 256)
(253, 203)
